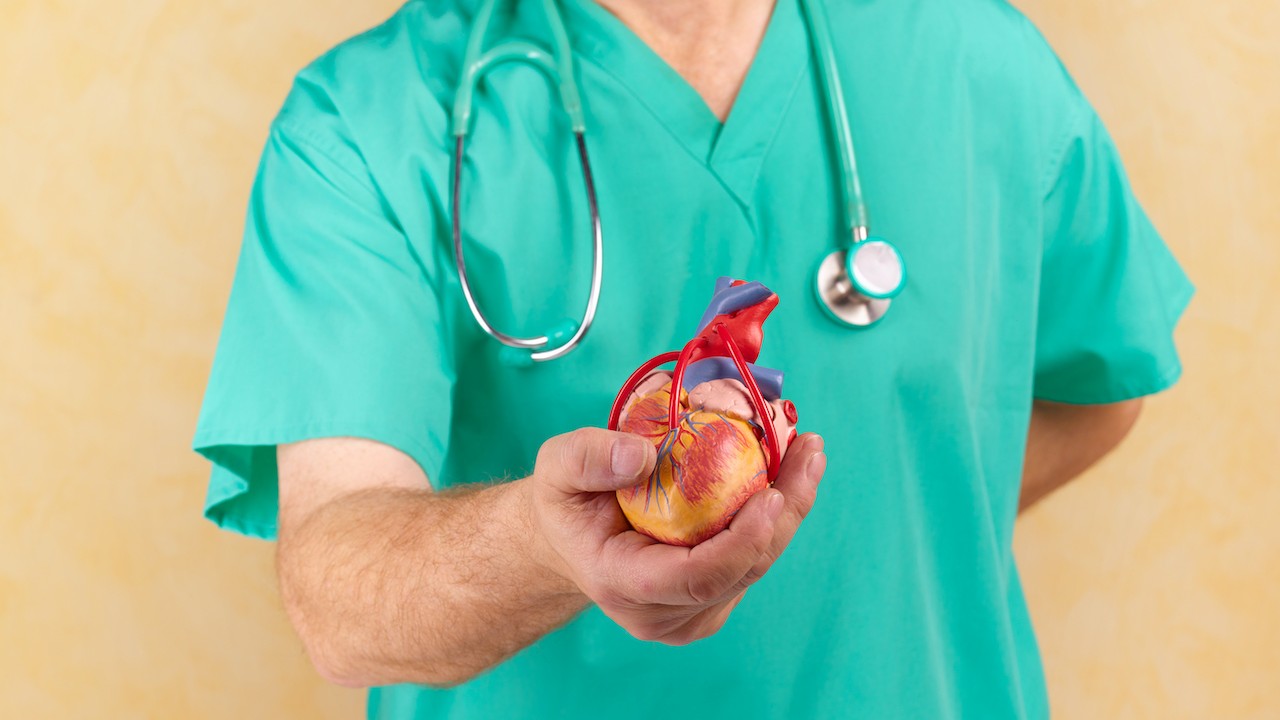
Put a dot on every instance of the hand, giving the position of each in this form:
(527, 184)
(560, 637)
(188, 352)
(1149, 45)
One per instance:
(673, 595)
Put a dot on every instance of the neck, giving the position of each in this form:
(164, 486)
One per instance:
(710, 43)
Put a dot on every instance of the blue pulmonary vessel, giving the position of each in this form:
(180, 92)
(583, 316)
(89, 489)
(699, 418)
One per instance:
(726, 346)
(742, 308)
(731, 295)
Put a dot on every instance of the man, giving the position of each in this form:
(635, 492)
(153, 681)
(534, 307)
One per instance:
(356, 412)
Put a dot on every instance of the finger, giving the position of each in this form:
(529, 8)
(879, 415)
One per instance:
(646, 572)
(798, 481)
(705, 624)
(595, 460)
(799, 476)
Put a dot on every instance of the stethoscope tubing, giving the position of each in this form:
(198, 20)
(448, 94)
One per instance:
(597, 264)
(559, 69)
(855, 210)
(836, 293)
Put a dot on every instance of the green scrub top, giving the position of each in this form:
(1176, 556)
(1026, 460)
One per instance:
(1033, 273)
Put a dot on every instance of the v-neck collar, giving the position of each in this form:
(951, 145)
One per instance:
(734, 150)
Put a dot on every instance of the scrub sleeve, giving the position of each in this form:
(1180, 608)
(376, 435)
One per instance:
(332, 328)
(1110, 290)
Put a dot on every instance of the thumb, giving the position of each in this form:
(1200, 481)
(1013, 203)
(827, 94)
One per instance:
(595, 460)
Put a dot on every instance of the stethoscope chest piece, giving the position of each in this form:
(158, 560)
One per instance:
(856, 285)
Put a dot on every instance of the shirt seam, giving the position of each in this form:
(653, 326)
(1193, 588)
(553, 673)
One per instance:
(1059, 154)
(589, 60)
(301, 134)
(758, 160)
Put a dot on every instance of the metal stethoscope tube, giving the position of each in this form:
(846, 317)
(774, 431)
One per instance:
(558, 68)
(854, 284)
(853, 293)
(597, 265)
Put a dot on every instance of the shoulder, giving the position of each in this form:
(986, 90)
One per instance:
(392, 74)
(988, 41)
(978, 63)
(1007, 54)
(1006, 46)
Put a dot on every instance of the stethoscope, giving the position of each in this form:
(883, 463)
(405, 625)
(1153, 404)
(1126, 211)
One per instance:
(854, 284)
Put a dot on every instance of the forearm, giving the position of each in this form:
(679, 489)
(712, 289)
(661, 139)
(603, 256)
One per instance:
(396, 585)
(1065, 440)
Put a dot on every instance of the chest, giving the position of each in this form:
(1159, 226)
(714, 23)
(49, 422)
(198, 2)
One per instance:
(673, 222)
(683, 201)
(710, 49)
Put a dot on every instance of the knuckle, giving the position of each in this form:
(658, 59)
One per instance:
(755, 546)
(645, 632)
(715, 625)
(693, 631)
(752, 576)
(804, 504)
(707, 586)
(575, 451)
(680, 638)
(549, 453)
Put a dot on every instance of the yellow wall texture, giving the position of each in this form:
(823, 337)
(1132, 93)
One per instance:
(128, 137)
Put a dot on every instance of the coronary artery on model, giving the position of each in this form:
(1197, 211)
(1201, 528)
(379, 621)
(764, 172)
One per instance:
(721, 436)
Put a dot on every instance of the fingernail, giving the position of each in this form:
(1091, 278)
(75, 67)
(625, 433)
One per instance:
(773, 505)
(816, 466)
(817, 444)
(627, 457)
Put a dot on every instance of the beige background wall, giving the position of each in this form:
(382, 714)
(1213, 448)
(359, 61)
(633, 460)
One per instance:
(128, 137)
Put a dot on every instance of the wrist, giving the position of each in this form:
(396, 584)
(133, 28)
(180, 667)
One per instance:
(550, 570)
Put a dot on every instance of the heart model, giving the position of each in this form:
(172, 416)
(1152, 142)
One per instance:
(720, 435)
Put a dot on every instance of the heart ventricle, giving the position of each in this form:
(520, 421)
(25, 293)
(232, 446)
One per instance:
(707, 468)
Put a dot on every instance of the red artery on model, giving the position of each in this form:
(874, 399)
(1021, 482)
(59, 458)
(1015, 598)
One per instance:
(718, 422)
